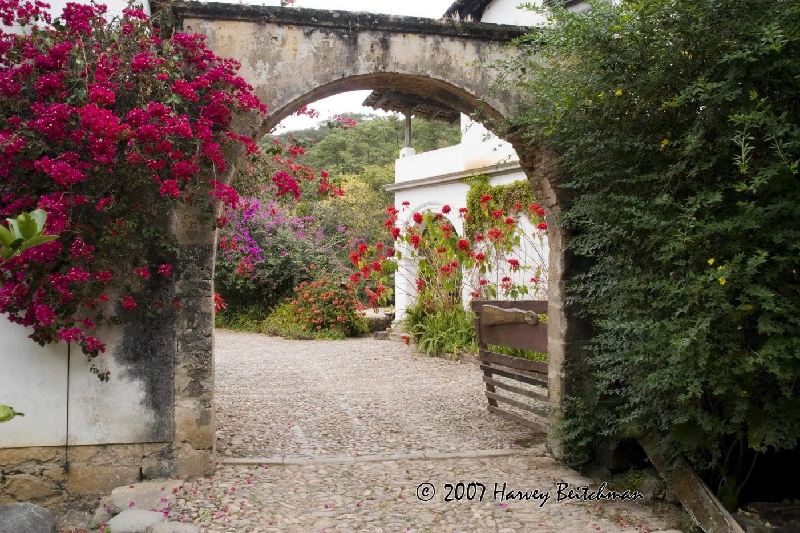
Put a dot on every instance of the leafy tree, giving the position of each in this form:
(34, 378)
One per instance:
(362, 207)
(679, 130)
(376, 142)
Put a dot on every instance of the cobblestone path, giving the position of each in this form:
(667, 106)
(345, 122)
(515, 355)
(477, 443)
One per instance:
(338, 437)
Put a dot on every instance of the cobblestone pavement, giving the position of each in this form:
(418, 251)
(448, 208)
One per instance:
(338, 436)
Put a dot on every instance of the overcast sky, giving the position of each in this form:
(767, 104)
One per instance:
(351, 102)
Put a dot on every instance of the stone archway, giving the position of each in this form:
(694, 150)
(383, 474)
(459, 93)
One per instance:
(293, 57)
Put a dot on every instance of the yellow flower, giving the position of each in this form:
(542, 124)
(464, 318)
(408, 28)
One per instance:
(619, 92)
(720, 267)
(711, 261)
(722, 281)
(664, 143)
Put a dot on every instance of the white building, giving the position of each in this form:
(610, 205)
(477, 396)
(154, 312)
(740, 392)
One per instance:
(433, 179)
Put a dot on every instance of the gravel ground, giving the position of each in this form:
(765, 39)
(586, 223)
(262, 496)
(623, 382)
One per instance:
(320, 411)
(356, 397)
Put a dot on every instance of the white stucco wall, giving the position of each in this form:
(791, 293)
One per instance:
(508, 12)
(33, 381)
(418, 184)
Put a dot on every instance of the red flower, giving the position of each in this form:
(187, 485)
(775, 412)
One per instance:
(463, 244)
(445, 209)
(143, 272)
(363, 249)
(514, 264)
(541, 225)
(415, 240)
(165, 270)
(219, 303)
(128, 302)
(418, 218)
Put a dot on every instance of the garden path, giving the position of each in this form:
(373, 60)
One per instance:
(338, 435)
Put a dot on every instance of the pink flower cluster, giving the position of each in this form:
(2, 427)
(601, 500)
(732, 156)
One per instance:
(105, 127)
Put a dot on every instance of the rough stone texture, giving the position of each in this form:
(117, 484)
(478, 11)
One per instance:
(353, 427)
(146, 496)
(26, 518)
(24, 487)
(134, 521)
(100, 479)
(173, 527)
(37, 475)
(12, 456)
(293, 57)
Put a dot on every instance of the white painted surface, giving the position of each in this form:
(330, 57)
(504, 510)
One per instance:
(508, 12)
(430, 195)
(33, 380)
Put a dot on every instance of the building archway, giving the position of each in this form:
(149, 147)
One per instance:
(293, 57)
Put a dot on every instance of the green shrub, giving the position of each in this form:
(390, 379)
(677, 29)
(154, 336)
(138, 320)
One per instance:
(330, 306)
(679, 131)
(281, 322)
(247, 319)
(517, 352)
(441, 331)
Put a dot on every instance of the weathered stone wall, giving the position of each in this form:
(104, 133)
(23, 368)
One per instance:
(567, 334)
(293, 57)
(37, 474)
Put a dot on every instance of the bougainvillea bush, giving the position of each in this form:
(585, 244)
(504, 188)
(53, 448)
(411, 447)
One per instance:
(107, 126)
(263, 251)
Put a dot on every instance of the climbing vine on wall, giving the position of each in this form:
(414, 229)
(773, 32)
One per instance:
(512, 198)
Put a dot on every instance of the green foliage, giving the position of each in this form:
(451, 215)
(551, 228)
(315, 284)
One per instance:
(22, 233)
(285, 258)
(361, 209)
(512, 198)
(239, 318)
(441, 330)
(7, 413)
(678, 126)
(518, 352)
(328, 305)
(376, 141)
(281, 322)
